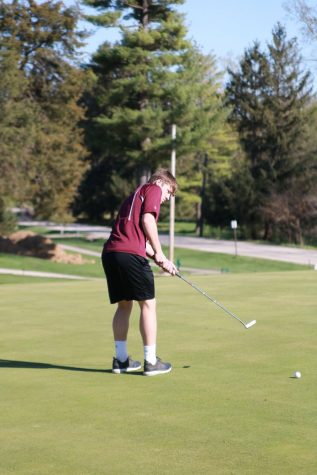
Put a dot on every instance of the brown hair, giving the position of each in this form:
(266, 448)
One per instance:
(166, 177)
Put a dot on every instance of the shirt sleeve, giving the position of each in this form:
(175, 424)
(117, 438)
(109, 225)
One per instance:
(152, 201)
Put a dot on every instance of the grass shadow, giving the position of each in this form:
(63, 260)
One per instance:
(36, 365)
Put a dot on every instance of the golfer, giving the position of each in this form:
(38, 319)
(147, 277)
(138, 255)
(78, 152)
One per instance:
(133, 238)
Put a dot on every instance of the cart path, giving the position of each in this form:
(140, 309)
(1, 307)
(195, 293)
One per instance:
(49, 275)
(263, 251)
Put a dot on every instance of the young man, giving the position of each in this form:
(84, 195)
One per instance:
(133, 238)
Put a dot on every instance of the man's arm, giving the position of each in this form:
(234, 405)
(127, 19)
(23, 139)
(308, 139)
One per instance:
(149, 250)
(151, 232)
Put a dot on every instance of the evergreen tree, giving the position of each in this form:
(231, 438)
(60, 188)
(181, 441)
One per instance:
(134, 80)
(146, 82)
(269, 95)
(42, 159)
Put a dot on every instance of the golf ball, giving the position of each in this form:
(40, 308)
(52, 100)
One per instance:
(297, 374)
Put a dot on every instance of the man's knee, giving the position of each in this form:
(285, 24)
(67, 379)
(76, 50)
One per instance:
(125, 305)
(150, 304)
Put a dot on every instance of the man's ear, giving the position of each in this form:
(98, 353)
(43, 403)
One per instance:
(159, 182)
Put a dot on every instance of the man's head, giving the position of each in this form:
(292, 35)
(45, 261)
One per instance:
(163, 178)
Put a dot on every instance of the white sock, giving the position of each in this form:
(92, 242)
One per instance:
(121, 350)
(150, 353)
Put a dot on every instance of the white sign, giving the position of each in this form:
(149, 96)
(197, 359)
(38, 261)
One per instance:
(234, 224)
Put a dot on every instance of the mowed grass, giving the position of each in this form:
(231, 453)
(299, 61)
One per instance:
(230, 405)
(92, 267)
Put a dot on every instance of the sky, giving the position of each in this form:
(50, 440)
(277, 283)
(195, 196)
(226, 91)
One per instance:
(226, 28)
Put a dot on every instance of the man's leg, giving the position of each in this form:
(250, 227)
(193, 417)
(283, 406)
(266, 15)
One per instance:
(148, 330)
(148, 325)
(120, 325)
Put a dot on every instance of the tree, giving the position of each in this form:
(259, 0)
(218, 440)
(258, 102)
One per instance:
(41, 141)
(16, 119)
(146, 82)
(129, 112)
(269, 96)
(134, 77)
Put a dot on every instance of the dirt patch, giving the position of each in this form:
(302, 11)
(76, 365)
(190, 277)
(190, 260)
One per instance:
(27, 243)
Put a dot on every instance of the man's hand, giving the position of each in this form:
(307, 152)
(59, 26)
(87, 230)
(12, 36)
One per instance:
(169, 267)
(159, 258)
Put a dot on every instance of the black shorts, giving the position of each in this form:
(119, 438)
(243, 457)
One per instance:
(129, 276)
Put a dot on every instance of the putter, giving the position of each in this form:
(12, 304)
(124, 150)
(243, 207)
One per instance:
(246, 325)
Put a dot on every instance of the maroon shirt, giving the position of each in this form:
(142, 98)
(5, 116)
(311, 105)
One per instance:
(127, 234)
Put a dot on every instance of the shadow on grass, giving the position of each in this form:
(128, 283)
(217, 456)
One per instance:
(36, 365)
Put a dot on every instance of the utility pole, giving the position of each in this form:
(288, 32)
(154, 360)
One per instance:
(172, 199)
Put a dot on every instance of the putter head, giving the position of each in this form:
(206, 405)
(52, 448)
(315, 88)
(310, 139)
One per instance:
(250, 324)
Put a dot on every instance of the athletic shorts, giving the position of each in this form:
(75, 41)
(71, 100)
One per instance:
(129, 277)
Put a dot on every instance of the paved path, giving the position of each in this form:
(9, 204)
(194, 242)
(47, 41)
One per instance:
(276, 253)
(50, 275)
(264, 251)
(80, 250)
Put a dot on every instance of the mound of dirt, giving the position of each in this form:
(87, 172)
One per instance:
(27, 243)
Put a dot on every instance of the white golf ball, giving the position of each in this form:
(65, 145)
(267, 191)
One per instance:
(297, 374)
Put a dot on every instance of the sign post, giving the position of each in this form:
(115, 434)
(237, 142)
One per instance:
(234, 225)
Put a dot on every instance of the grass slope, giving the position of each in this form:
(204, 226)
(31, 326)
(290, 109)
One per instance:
(91, 269)
(228, 407)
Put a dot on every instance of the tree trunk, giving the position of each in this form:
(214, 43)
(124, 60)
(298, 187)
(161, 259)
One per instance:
(145, 15)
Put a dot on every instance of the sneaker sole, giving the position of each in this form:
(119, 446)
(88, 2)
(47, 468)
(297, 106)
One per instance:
(126, 370)
(155, 373)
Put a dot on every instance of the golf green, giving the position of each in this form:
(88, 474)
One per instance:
(230, 405)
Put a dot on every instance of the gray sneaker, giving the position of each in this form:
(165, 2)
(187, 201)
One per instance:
(158, 368)
(126, 367)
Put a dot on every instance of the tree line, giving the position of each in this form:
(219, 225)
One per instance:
(76, 137)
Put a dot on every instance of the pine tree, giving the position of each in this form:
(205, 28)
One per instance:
(146, 82)
(134, 76)
(269, 95)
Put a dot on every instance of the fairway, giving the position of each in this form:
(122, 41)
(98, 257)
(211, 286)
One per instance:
(230, 405)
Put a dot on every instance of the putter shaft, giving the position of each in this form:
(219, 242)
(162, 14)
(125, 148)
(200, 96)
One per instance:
(246, 325)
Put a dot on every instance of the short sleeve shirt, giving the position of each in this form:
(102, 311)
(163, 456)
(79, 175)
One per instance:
(127, 234)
